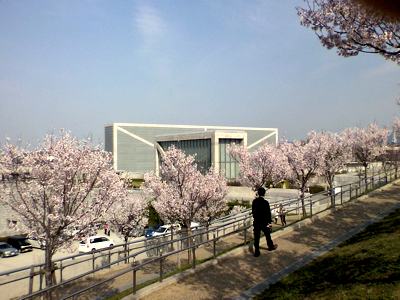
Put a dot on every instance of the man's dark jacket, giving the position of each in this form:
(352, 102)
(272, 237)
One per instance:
(261, 212)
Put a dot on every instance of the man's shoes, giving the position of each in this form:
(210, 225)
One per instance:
(273, 247)
(257, 253)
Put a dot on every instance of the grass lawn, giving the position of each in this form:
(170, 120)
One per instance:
(365, 267)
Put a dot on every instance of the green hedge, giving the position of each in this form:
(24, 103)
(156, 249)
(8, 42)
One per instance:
(136, 183)
(231, 204)
(316, 189)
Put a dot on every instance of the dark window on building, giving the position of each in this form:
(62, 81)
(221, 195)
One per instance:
(200, 148)
(227, 165)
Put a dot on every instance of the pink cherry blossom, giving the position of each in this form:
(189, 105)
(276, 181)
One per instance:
(182, 193)
(391, 158)
(367, 143)
(304, 159)
(129, 215)
(396, 129)
(61, 186)
(351, 28)
(336, 153)
(264, 166)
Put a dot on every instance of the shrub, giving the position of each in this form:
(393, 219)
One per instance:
(285, 184)
(316, 189)
(136, 183)
(233, 183)
(234, 203)
(154, 218)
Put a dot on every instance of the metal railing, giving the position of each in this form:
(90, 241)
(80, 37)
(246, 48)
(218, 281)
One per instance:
(118, 250)
(164, 250)
(159, 251)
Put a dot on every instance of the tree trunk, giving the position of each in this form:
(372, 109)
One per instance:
(365, 176)
(172, 238)
(190, 243)
(303, 207)
(126, 247)
(48, 268)
(49, 271)
(331, 190)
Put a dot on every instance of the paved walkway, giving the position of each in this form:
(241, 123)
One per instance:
(239, 275)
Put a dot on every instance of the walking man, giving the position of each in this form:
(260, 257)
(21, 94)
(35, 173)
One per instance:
(262, 221)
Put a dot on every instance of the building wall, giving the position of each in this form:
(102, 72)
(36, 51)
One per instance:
(7, 215)
(134, 150)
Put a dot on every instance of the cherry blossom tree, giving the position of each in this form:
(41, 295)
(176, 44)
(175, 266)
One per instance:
(391, 158)
(304, 159)
(264, 166)
(351, 28)
(396, 129)
(182, 193)
(367, 144)
(210, 211)
(62, 185)
(129, 216)
(335, 154)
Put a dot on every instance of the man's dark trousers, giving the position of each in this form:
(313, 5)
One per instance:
(257, 232)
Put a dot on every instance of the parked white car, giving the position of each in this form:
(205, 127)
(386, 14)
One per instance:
(37, 243)
(94, 243)
(194, 225)
(166, 229)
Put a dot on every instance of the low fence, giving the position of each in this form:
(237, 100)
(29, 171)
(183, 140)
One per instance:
(149, 260)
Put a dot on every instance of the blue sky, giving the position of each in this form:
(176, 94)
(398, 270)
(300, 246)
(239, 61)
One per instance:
(82, 64)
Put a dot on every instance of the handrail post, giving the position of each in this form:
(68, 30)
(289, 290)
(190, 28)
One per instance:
(245, 232)
(61, 271)
(134, 276)
(334, 197)
(194, 253)
(379, 179)
(341, 195)
(31, 276)
(134, 281)
(310, 206)
(350, 192)
(40, 278)
(93, 261)
(161, 265)
(214, 245)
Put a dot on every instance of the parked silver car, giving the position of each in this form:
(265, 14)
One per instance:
(7, 250)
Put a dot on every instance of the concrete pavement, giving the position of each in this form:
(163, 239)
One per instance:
(239, 275)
